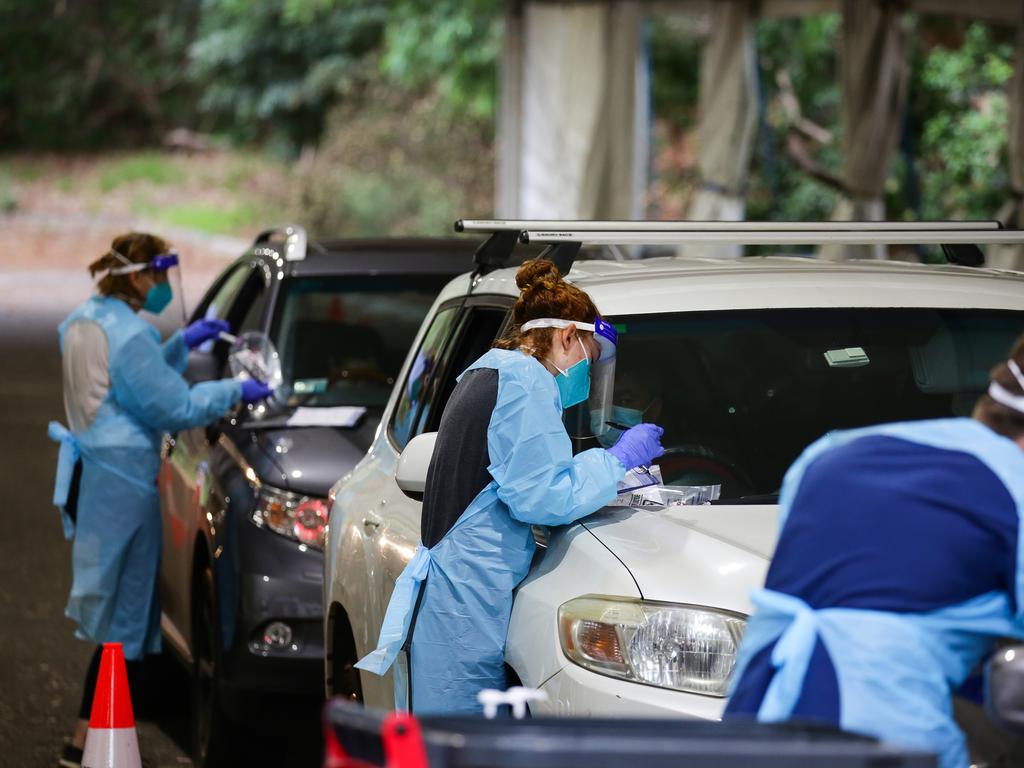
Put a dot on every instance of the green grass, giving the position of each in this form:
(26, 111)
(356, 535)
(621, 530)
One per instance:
(148, 166)
(8, 198)
(26, 169)
(209, 218)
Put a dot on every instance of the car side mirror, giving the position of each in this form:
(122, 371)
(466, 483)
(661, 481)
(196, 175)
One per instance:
(411, 472)
(1004, 699)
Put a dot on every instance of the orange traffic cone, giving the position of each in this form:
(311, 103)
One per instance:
(111, 741)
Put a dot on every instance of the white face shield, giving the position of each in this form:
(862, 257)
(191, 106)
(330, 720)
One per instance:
(166, 268)
(602, 370)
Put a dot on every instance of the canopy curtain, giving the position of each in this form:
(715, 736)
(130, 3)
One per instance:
(1012, 212)
(728, 117)
(571, 108)
(874, 74)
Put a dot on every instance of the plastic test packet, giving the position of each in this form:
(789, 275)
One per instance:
(645, 488)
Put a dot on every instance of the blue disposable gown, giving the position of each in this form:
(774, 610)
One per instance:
(458, 646)
(898, 565)
(117, 534)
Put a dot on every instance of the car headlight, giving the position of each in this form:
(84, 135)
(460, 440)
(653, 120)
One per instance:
(302, 518)
(682, 647)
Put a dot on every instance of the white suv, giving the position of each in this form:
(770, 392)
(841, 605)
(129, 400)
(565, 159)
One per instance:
(743, 362)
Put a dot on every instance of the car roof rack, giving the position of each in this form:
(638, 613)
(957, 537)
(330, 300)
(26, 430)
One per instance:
(793, 235)
(959, 239)
(579, 225)
(496, 251)
(290, 239)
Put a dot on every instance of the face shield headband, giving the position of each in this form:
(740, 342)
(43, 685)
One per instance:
(166, 264)
(604, 332)
(1003, 396)
(159, 263)
(602, 374)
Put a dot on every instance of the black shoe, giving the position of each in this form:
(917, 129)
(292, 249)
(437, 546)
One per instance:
(70, 757)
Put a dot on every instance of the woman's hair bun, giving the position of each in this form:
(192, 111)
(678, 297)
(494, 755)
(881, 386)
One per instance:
(537, 272)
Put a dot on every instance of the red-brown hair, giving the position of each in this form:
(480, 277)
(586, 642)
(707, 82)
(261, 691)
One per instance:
(137, 247)
(543, 293)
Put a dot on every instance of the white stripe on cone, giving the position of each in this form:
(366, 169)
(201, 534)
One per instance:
(111, 748)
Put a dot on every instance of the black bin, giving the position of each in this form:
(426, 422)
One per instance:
(543, 742)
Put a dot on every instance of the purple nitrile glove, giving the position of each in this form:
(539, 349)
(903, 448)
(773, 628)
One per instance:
(204, 330)
(638, 446)
(253, 391)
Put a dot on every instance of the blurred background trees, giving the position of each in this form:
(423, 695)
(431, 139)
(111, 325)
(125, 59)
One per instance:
(377, 116)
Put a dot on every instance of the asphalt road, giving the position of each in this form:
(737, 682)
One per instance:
(41, 663)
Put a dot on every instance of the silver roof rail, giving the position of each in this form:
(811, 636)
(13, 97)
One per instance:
(860, 236)
(289, 238)
(547, 225)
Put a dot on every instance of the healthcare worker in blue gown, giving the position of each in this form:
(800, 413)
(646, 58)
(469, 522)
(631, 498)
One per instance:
(899, 565)
(502, 462)
(123, 390)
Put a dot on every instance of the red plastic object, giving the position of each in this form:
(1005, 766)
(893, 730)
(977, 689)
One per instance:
(112, 703)
(335, 755)
(403, 743)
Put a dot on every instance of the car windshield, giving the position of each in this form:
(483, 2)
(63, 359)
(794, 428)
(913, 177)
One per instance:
(342, 339)
(741, 393)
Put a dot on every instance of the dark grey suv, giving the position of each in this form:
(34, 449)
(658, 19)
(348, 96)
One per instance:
(244, 501)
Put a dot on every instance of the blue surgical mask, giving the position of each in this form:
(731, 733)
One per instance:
(574, 382)
(608, 435)
(158, 297)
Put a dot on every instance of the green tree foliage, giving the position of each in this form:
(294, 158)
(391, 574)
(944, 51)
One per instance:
(272, 69)
(452, 46)
(959, 112)
(805, 50)
(397, 164)
(84, 73)
(674, 44)
(952, 162)
(76, 74)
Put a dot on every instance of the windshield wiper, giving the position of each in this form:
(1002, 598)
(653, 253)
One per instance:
(757, 498)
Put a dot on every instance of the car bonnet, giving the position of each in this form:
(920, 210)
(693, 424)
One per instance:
(711, 555)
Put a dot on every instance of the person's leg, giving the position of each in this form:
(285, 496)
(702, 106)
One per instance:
(138, 684)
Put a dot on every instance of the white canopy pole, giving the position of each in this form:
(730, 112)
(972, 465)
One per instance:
(873, 77)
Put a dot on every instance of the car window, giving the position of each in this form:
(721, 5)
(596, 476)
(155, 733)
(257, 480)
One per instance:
(342, 339)
(740, 394)
(218, 302)
(478, 329)
(243, 313)
(408, 407)
(251, 304)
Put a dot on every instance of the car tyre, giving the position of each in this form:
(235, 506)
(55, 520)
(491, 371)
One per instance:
(212, 730)
(346, 681)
